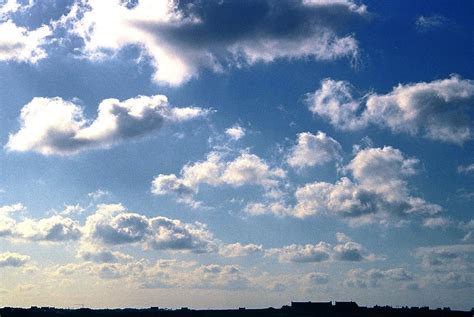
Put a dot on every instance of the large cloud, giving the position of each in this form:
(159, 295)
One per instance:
(55, 126)
(113, 225)
(246, 169)
(379, 190)
(313, 149)
(438, 110)
(180, 37)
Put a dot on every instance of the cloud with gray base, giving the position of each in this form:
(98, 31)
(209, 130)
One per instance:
(56, 228)
(53, 126)
(438, 110)
(17, 43)
(344, 250)
(113, 225)
(377, 192)
(448, 266)
(11, 259)
(181, 38)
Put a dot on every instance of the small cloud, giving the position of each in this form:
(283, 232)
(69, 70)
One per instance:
(98, 194)
(235, 132)
(425, 23)
(466, 169)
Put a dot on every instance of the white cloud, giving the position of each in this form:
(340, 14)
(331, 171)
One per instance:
(72, 210)
(425, 23)
(313, 149)
(55, 126)
(303, 253)
(246, 169)
(22, 45)
(436, 222)
(235, 132)
(53, 229)
(437, 110)
(238, 249)
(13, 259)
(181, 39)
(466, 169)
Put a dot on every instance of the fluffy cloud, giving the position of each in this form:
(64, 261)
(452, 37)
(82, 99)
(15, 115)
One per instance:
(437, 110)
(55, 126)
(375, 277)
(313, 149)
(7, 223)
(303, 253)
(246, 169)
(53, 229)
(18, 43)
(379, 190)
(344, 250)
(114, 225)
(13, 259)
(238, 249)
(181, 38)
(235, 132)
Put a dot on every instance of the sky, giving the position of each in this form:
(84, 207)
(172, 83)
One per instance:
(229, 153)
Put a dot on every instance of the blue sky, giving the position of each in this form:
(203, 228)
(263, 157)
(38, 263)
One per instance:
(236, 153)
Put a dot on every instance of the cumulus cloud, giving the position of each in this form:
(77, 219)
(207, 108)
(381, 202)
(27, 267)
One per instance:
(359, 278)
(246, 169)
(313, 149)
(56, 126)
(378, 192)
(235, 132)
(238, 249)
(438, 110)
(182, 38)
(53, 229)
(303, 253)
(13, 259)
(18, 43)
(344, 250)
(114, 225)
